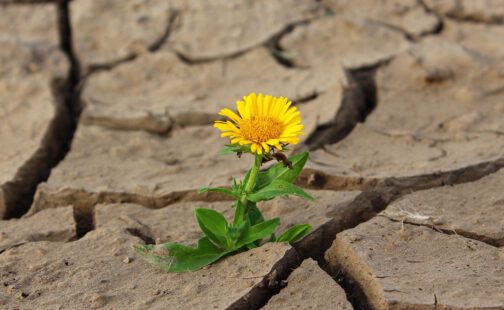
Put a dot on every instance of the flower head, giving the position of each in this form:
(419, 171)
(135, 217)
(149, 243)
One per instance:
(263, 122)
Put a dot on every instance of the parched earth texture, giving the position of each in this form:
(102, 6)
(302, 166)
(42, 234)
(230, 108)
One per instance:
(105, 129)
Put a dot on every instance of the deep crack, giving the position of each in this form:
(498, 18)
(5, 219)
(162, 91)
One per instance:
(370, 203)
(19, 194)
(359, 100)
(354, 293)
(270, 285)
(56, 142)
(142, 235)
(84, 220)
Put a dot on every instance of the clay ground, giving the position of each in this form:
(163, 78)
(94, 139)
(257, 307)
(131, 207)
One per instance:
(106, 137)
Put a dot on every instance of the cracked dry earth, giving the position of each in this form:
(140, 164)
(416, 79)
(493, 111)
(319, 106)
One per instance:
(105, 118)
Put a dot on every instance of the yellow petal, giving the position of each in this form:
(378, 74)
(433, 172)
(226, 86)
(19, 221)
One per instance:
(293, 122)
(273, 141)
(294, 140)
(251, 100)
(223, 127)
(284, 108)
(242, 109)
(260, 104)
(226, 128)
(244, 141)
(227, 134)
(289, 112)
(287, 120)
(265, 147)
(293, 128)
(232, 115)
(278, 103)
(293, 135)
(267, 104)
(233, 126)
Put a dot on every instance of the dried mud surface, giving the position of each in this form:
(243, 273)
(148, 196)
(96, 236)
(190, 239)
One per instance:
(103, 277)
(28, 107)
(416, 267)
(403, 106)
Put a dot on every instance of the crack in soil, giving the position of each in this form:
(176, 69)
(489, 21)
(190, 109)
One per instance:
(142, 234)
(152, 48)
(369, 204)
(495, 20)
(271, 284)
(84, 202)
(278, 53)
(354, 293)
(85, 199)
(410, 37)
(19, 194)
(377, 193)
(359, 100)
(458, 232)
(56, 142)
(456, 16)
(362, 208)
(84, 220)
(15, 2)
(271, 44)
(316, 179)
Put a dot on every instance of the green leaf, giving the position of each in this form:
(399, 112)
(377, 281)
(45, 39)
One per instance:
(254, 214)
(221, 190)
(278, 188)
(214, 226)
(294, 233)
(258, 232)
(234, 186)
(255, 217)
(175, 257)
(236, 232)
(239, 215)
(245, 180)
(279, 172)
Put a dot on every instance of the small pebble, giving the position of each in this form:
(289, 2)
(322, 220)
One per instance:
(98, 300)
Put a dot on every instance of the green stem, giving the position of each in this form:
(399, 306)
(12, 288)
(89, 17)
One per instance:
(253, 174)
(241, 214)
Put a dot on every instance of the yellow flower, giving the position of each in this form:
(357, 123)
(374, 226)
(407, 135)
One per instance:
(263, 122)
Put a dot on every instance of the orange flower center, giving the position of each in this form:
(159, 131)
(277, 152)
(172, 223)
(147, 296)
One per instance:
(261, 128)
